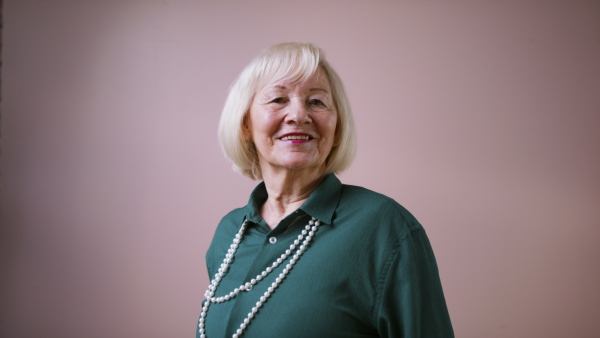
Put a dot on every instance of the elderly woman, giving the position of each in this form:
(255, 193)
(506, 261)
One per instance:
(309, 256)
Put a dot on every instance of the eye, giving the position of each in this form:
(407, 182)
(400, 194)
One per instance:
(278, 100)
(316, 102)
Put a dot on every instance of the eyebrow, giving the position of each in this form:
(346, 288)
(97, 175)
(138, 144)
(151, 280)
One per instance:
(317, 89)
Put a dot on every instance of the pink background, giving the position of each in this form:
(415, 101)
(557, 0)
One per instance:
(481, 117)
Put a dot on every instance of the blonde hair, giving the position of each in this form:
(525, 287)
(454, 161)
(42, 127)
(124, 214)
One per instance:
(294, 62)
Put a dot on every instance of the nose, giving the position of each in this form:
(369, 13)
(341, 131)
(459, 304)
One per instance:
(298, 113)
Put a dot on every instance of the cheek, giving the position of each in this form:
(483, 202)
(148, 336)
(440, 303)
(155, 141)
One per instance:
(264, 130)
(331, 128)
(258, 124)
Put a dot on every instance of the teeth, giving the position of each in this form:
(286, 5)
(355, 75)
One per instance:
(295, 137)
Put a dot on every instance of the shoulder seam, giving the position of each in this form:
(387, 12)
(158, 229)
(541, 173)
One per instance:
(385, 272)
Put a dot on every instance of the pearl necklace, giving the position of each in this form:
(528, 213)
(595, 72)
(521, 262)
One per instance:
(308, 232)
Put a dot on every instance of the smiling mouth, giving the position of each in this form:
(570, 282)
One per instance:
(296, 137)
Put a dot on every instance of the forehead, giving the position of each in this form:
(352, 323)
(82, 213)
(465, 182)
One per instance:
(316, 81)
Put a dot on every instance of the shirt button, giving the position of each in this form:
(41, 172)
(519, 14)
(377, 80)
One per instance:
(272, 240)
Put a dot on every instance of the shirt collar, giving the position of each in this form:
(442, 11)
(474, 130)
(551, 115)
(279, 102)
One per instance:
(321, 204)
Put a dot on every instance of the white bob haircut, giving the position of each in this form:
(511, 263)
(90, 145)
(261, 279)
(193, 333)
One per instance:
(294, 62)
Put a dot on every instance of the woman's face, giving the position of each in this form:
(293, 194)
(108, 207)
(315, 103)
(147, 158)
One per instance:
(293, 124)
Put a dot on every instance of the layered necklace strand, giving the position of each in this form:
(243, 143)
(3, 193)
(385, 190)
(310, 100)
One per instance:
(300, 245)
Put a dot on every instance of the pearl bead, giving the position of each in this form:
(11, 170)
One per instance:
(309, 232)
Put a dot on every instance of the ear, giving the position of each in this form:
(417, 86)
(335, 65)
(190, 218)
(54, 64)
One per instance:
(246, 133)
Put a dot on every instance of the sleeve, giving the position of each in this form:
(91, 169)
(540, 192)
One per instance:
(411, 300)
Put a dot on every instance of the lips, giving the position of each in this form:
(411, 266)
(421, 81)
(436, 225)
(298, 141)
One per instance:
(296, 137)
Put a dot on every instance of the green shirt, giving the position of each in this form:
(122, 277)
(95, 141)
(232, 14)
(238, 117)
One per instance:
(368, 272)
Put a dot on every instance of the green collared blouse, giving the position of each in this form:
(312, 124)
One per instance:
(368, 272)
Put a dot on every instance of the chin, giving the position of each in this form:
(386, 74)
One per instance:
(296, 162)
(304, 166)
(300, 163)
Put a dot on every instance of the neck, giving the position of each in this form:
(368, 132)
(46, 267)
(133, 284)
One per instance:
(287, 190)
